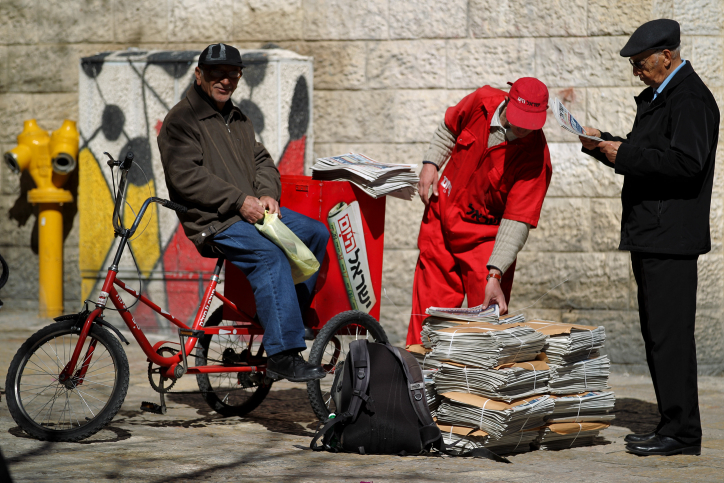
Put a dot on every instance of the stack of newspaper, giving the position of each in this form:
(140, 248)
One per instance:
(463, 439)
(569, 435)
(504, 383)
(496, 418)
(585, 407)
(486, 345)
(588, 375)
(374, 178)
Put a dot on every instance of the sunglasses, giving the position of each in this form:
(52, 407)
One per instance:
(221, 74)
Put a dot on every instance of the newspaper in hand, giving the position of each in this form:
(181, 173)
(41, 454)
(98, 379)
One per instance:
(567, 121)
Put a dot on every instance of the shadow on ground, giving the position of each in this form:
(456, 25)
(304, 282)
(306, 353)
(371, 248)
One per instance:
(637, 415)
(282, 411)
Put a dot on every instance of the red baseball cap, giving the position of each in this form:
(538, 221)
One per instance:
(528, 103)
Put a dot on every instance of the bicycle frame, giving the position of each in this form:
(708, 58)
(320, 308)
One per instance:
(245, 326)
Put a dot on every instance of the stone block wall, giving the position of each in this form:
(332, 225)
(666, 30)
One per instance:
(384, 73)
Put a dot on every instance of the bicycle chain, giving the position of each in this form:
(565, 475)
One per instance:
(151, 372)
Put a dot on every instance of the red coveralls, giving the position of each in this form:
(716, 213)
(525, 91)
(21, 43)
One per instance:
(478, 188)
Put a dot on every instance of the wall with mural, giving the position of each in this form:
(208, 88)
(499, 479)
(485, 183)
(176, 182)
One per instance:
(123, 99)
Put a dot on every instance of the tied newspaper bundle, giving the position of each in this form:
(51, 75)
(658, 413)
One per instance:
(497, 419)
(440, 319)
(550, 372)
(374, 178)
(486, 345)
(503, 383)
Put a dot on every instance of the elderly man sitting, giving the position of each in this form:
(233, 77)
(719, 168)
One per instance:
(215, 167)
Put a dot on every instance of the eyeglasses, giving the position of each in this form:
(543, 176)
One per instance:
(221, 74)
(639, 64)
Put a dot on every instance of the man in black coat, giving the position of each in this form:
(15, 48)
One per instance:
(667, 161)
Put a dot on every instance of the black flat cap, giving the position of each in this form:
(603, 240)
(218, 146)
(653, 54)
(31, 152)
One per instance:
(654, 35)
(220, 54)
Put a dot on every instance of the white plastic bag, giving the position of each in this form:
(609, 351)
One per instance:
(303, 262)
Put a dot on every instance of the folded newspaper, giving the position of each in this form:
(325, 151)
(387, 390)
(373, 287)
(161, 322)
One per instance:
(567, 121)
(496, 418)
(374, 178)
(569, 343)
(585, 407)
(486, 345)
(460, 439)
(588, 375)
(569, 435)
(506, 382)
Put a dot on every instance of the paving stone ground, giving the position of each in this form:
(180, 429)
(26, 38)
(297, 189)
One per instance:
(192, 443)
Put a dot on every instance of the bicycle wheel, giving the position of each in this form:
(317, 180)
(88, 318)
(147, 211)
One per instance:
(50, 410)
(330, 348)
(231, 393)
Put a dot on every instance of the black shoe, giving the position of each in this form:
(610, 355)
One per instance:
(639, 438)
(662, 446)
(292, 367)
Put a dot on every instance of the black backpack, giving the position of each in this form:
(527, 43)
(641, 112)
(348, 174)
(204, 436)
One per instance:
(381, 391)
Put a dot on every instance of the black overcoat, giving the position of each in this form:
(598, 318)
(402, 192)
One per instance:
(668, 165)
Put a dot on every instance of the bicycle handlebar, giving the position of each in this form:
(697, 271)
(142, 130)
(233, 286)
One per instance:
(174, 206)
(124, 166)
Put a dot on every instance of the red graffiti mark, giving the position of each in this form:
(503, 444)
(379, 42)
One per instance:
(292, 161)
(183, 265)
(159, 124)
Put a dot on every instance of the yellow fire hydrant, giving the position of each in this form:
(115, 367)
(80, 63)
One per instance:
(50, 159)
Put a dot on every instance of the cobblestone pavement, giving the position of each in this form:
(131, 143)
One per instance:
(191, 443)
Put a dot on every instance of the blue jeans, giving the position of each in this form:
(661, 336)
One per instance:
(279, 303)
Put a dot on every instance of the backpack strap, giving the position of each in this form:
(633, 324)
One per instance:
(429, 432)
(360, 361)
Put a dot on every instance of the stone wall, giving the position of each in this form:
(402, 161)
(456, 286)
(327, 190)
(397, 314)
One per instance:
(385, 71)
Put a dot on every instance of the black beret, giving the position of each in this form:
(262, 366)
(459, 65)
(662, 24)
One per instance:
(220, 54)
(654, 35)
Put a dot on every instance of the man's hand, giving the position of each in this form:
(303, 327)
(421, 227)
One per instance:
(428, 176)
(270, 205)
(590, 143)
(610, 149)
(494, 294)
(252, 210)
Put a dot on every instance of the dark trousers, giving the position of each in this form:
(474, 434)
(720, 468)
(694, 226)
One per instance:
(667, 310)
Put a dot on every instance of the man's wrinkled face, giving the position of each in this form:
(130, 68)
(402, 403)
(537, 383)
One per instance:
(649, 67)
(218, 81)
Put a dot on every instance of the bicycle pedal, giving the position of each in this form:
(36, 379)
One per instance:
(152, 408)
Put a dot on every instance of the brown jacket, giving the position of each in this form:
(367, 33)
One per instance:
(211, 166)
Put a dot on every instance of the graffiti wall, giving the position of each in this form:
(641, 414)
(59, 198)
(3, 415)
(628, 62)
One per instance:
(123, 99)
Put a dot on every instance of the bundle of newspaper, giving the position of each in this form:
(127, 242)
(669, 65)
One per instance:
(505, 382)
(496, 418)
(569, 435)
(585, 407)
(486, 345)
(588, 375)
(490, 315)
(438, 322)
(568, 343)
(461, 439)
(374, 178)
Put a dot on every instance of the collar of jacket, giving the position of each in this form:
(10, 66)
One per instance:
(202, 108)
(648, 93)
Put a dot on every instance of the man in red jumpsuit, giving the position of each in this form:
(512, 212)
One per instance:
(484, 202)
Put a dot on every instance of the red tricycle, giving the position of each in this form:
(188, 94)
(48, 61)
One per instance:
(69, 379)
